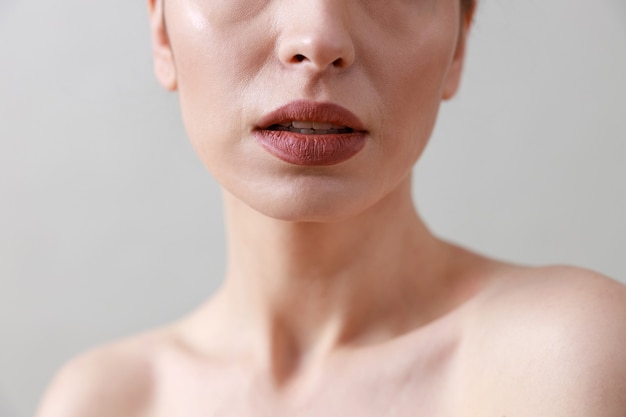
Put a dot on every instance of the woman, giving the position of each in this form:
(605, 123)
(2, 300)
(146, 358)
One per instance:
(337, 299)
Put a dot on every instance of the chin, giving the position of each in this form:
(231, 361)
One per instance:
(318, 200)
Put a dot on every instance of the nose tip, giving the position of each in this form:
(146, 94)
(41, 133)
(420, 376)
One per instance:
(321, 43)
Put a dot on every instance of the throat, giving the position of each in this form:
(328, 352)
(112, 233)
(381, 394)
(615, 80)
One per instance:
(307, 289)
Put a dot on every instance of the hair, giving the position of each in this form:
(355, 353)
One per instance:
(467, 4)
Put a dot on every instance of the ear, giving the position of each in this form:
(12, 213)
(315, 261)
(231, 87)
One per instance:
(453, 79)
(163, 57)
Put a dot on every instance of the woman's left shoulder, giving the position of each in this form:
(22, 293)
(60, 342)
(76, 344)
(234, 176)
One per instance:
(560, 332)
(561, 292)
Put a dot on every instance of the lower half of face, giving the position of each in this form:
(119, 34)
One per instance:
(385, 62)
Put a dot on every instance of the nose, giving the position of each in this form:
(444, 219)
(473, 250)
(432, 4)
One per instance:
(316, 35)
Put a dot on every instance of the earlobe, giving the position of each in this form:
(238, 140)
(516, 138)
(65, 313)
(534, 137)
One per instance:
(453, 79)
(164, 67)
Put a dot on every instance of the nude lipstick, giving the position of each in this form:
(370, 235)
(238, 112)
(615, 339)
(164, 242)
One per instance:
(311, 134)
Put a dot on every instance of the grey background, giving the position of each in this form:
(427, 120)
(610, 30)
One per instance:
(110, 225)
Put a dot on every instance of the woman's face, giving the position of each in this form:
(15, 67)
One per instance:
(387, 64)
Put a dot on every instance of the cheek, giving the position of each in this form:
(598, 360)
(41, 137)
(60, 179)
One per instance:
(411, 90)
(215, 62)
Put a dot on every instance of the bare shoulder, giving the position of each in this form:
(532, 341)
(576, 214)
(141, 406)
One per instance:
(574, 298)
(115, 380)
(560, 292)
(555, 339)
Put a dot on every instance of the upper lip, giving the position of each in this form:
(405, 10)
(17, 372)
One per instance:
(304, 110)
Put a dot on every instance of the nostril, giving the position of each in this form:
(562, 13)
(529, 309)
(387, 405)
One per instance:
(320, 55)
(301, 58)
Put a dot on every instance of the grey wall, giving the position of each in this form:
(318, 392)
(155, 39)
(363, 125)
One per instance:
(109, 225)
(528, 163)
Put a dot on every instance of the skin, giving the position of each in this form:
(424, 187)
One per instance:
(337, 299)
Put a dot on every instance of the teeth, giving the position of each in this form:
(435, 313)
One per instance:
(298, 124)
(319, 132)
(311, 128)
(302, 125)
(322, 126)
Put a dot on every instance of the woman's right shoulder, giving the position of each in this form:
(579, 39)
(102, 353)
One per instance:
(115, 380)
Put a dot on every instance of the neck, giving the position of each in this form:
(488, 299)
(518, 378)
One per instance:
(304, 289)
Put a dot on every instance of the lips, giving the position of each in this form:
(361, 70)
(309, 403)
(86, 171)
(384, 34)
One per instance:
(311, 134)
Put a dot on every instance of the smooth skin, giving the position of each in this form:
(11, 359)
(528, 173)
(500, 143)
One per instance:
(337, 300)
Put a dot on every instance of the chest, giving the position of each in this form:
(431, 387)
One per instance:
(381, 386)
(335, 399)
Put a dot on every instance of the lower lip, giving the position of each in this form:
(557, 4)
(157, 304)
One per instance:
(311, 150)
